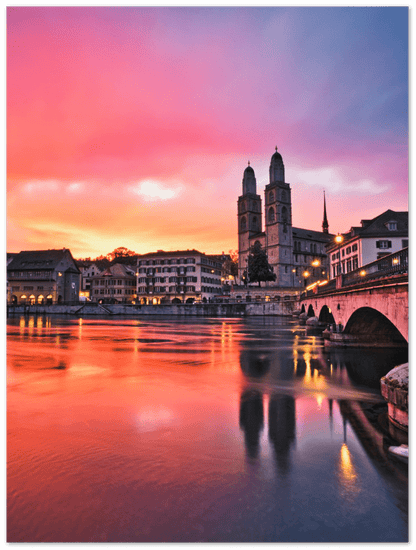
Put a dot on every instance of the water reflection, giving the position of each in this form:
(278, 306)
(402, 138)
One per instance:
(347, 474)
(211, 430)
(282, 429)
(251, 420)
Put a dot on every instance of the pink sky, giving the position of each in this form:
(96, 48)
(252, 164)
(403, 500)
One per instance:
(133, 126)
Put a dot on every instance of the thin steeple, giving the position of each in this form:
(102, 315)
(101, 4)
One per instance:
(325, 225)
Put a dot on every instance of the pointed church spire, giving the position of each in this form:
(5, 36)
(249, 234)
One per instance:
(325, 225)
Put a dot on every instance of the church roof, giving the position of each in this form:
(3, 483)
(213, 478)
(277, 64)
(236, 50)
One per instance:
(309, 234)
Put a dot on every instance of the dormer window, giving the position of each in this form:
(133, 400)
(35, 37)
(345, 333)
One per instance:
(392, 226)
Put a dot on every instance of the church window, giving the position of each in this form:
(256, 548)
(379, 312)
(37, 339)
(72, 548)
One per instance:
(271, 196)
(243, 224)
(255, 222)
(284, 215)
(270, 215)
(283, 195)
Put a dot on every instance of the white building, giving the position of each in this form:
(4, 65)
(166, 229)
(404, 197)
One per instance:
(177, 276)
(383, 235)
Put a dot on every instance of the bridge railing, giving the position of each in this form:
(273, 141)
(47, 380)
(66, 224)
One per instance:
(392, 264)
(389, 265)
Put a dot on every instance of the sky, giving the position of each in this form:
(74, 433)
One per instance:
(132, 126)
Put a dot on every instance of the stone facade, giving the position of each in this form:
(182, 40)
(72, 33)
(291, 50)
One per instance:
(298, 256)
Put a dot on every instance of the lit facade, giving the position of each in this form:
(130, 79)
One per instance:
(177, 276)
(43, 277)
(383, 235)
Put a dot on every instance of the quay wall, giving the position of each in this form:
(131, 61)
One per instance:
(176, 310)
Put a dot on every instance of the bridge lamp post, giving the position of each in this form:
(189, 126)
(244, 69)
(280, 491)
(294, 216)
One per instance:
(305, 276)
(339, 239)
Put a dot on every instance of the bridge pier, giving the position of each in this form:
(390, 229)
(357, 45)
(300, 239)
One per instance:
(343, 339)
(394, 389)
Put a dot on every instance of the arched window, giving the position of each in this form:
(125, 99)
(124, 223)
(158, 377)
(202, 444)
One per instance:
(283, 195)
(254, 221)
(271, 196)
(40, 299)
(270, 215)
(284, 215)
(23, 298)
(243, 223)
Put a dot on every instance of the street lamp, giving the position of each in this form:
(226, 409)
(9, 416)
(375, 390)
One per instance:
(339, 239)
(305, 276)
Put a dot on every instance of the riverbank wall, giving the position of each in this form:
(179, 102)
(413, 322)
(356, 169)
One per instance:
(175, 310)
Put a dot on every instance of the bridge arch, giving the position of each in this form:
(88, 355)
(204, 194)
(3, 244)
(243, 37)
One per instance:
(325, 316)
(371, 325)
(311, 311)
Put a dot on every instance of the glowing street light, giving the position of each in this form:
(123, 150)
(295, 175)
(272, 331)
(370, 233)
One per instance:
(339, 239)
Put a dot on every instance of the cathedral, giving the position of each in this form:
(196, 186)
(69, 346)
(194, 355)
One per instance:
(297, 256)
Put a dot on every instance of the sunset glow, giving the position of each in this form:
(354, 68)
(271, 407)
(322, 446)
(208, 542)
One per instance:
(133, 126)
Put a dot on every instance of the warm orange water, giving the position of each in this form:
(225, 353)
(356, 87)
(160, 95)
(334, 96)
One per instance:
(204, 430)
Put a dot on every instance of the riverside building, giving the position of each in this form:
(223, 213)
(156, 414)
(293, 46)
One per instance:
(42, 277)
(177, 276)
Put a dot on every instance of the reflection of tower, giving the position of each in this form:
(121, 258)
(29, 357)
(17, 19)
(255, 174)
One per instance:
(254, 363)
(251, 420)
(282, 428)
(331, 417)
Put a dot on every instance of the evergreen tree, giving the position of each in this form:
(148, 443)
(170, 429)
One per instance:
(258, 265)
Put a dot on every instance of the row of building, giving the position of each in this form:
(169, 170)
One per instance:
(299, 257)
(54, 276)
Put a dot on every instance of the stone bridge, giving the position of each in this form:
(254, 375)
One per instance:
(368, 313)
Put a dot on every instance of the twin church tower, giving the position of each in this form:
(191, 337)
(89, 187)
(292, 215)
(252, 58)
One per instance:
(290, 250)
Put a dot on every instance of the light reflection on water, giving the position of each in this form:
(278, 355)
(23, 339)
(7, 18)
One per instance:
(197, 430)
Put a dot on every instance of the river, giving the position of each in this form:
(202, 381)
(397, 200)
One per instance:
(214, 430)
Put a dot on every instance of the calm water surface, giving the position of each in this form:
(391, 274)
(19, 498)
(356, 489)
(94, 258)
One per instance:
(217, 430)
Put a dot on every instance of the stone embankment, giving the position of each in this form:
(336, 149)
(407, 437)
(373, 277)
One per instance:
(177, 310)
